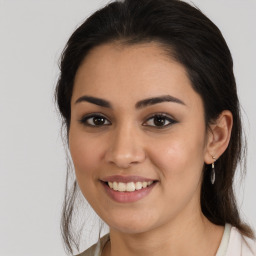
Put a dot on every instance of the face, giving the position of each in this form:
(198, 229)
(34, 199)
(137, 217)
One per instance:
(137, 137)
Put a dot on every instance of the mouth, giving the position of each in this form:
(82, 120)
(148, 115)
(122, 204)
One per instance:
(130, 186)
(124, 189)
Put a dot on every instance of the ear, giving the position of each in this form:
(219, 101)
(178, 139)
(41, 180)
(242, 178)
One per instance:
(218, 136)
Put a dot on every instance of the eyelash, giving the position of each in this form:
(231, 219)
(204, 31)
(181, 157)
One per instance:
(162, 116)
(85, 120)
(93, 117)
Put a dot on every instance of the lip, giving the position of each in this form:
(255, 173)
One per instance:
(128, 197)
(125, 179)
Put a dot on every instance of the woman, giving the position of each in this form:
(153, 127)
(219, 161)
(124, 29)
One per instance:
(148, 97)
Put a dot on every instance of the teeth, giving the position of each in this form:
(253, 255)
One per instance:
(138, 185)
(110, 184)
(144, 184)
(115, 185)
(129, 187)
(121, 187)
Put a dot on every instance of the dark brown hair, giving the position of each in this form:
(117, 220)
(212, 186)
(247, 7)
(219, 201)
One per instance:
(189, 37)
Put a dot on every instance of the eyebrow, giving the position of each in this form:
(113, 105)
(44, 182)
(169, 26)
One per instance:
(93, 100)
(156, 100)
(140, 104)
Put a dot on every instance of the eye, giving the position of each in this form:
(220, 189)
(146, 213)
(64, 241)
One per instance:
(96, 120)
(159, 121)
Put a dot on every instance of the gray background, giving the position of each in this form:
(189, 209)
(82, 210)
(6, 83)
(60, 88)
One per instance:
(32, 159)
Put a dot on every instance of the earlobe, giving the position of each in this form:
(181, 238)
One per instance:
(218, 136)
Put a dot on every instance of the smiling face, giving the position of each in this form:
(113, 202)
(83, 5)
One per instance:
(138, 126)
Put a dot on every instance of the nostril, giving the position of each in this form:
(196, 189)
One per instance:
(125, 154)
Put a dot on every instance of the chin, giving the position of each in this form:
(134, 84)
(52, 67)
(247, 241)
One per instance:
(130, 224)
(130, 229)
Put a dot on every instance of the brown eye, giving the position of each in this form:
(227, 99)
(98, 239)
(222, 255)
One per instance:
(159, 121)
(95, 120)
(98, 120)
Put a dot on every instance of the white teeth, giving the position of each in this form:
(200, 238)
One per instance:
(138, 185)
(121, 187)
(130, 186)
(144, 184)
(115, 185)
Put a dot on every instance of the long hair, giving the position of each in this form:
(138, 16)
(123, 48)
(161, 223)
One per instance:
(189, 37)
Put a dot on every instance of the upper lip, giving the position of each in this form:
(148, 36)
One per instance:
(125, 179)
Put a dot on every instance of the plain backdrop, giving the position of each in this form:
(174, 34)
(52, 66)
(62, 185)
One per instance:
(32, 159)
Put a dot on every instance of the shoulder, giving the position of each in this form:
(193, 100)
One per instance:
(240, 245)
(96, 249)
(89, 252)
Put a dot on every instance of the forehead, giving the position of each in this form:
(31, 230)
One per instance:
(138, 71)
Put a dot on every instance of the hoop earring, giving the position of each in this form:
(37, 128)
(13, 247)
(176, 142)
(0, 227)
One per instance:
(213, 176)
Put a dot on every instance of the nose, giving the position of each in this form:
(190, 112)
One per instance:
(125, 147)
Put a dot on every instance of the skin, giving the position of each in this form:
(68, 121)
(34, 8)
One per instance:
(129, 143)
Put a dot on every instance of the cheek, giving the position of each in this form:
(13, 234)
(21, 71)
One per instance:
(85, 155)
(179, 163)
(180, 158)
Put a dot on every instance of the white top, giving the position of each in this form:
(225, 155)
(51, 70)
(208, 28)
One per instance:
(232, 244)
(235, 244)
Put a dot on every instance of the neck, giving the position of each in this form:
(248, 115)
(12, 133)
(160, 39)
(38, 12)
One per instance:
(193, 235)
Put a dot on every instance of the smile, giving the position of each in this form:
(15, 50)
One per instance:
(129, 187)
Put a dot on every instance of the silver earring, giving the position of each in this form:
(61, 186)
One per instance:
(213, 171)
